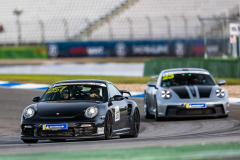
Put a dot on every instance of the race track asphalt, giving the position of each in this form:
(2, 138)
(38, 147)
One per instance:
(152, 133)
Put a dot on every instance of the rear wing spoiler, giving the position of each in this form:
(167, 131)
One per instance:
(154, 76)
(125, 91)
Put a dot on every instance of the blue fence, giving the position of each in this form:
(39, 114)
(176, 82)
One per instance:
(166, 48)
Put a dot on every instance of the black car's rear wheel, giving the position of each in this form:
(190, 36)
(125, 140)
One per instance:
(135, 125)
(108, 126)
(30, 140)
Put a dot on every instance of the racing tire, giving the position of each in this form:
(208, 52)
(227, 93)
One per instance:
(58, 140)
(108, 126)
(146, 113)
(156, 114)
(30, 140)
(135, 125)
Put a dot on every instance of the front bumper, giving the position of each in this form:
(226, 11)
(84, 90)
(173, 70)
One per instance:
(174, 109)
(75, 130)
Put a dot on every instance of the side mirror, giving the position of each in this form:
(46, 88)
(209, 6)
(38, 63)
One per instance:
(151, 84)
(118, 97)
(36, 99)
(221, 82)
(125, 91)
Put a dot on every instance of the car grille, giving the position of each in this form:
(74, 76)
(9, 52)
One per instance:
(205, 111)
(28, 131)
(85, 131)
(174, 110)
(58, 133)
(71, 132)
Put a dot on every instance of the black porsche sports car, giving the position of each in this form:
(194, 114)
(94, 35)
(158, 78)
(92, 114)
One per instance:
(79, 109)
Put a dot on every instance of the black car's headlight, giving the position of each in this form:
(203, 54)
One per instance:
(166, 94)
(28, 112)
(91, 112)
(220, 93)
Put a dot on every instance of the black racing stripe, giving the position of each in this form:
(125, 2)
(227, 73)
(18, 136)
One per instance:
(204, 91)
(192, 90)
(181, 91)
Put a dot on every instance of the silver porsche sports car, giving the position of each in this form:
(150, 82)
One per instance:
(185, 92)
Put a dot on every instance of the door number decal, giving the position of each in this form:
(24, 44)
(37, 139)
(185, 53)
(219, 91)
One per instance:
(117, 113)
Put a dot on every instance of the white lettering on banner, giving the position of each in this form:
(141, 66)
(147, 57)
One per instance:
(117, 113)
(94, 51)
(212, 48)
(121, 49)
(53, 50)
(150, 49)
(179, 49)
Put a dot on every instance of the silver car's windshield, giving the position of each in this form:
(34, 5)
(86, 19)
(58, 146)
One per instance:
(186, 78)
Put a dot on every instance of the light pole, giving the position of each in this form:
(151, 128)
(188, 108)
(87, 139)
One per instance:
(18, 11)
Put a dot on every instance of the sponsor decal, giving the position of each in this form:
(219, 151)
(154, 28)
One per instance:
(202, 105)
(117, 114)
(54, 126)
(150, 49)
(56, 89)
(100, 130)
(179, 49)
(53, 51)
(121, 49)
(170, 76)
(186, 72)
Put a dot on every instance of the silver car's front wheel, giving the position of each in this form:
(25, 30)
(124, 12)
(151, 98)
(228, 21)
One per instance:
(146, 113)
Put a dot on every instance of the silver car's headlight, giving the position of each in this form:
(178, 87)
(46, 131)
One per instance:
(220, 93)
(29, 112)
(166, 94)
(91, 112)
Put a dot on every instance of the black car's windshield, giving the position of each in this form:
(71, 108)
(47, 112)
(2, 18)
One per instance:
(186, 78)
(87, 91)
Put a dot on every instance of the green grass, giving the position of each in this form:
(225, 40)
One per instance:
(49, 79)
(220, 150)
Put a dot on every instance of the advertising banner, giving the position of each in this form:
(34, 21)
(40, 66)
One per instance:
(167, 48)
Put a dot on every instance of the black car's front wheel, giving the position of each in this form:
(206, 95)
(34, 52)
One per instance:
(108, 126)
(30, 140)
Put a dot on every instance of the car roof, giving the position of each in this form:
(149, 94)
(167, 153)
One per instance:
(83, 80)
(183, 69)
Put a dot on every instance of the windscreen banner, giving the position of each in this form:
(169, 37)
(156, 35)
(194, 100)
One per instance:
(155, 48)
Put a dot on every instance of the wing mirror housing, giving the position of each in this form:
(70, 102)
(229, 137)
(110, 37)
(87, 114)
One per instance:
(36, 99)
(118, 98)
(115, 98)
(151, 84)
(221, 82)
(125, 91)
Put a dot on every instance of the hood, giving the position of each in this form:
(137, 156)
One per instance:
(185, 92)
(65, 109)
